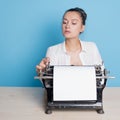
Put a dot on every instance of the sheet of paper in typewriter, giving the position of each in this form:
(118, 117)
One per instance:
(74, 83)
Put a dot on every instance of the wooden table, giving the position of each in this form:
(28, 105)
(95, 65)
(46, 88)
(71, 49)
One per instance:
(28, 103)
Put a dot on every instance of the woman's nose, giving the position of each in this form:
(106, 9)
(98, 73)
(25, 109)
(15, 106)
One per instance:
(67, 25)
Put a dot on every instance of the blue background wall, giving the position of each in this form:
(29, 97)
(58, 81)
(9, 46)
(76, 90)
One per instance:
(28, 27)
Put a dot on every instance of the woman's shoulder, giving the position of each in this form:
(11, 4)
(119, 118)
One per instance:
(88, 44)
(56, 46)
(54, 50)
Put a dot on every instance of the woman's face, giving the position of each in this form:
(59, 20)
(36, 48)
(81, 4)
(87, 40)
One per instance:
(72, 25)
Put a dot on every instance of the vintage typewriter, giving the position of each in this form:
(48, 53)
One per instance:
(46, 78)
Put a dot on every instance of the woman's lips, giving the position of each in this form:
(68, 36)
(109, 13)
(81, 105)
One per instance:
(67, 31)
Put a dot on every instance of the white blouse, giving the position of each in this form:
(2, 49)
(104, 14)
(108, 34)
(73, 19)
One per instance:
(88, 56)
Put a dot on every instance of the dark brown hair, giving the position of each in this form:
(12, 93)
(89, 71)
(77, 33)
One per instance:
(80, 11)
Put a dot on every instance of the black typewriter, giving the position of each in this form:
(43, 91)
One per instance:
(46, 78)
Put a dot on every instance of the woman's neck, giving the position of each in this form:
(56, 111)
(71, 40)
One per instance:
(73, 45)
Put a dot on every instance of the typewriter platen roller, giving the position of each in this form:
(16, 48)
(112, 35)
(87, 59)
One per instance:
(46, 78)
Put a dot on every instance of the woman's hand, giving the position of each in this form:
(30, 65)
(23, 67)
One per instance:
(42, 65)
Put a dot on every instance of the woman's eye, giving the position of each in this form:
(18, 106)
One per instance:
(74, 23)
(64, 22)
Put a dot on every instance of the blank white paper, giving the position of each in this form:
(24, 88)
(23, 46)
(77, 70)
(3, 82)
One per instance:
(74, 83)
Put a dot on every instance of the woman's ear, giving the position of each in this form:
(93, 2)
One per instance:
(82, 28)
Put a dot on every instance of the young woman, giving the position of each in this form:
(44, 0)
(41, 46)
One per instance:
(73, 51)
